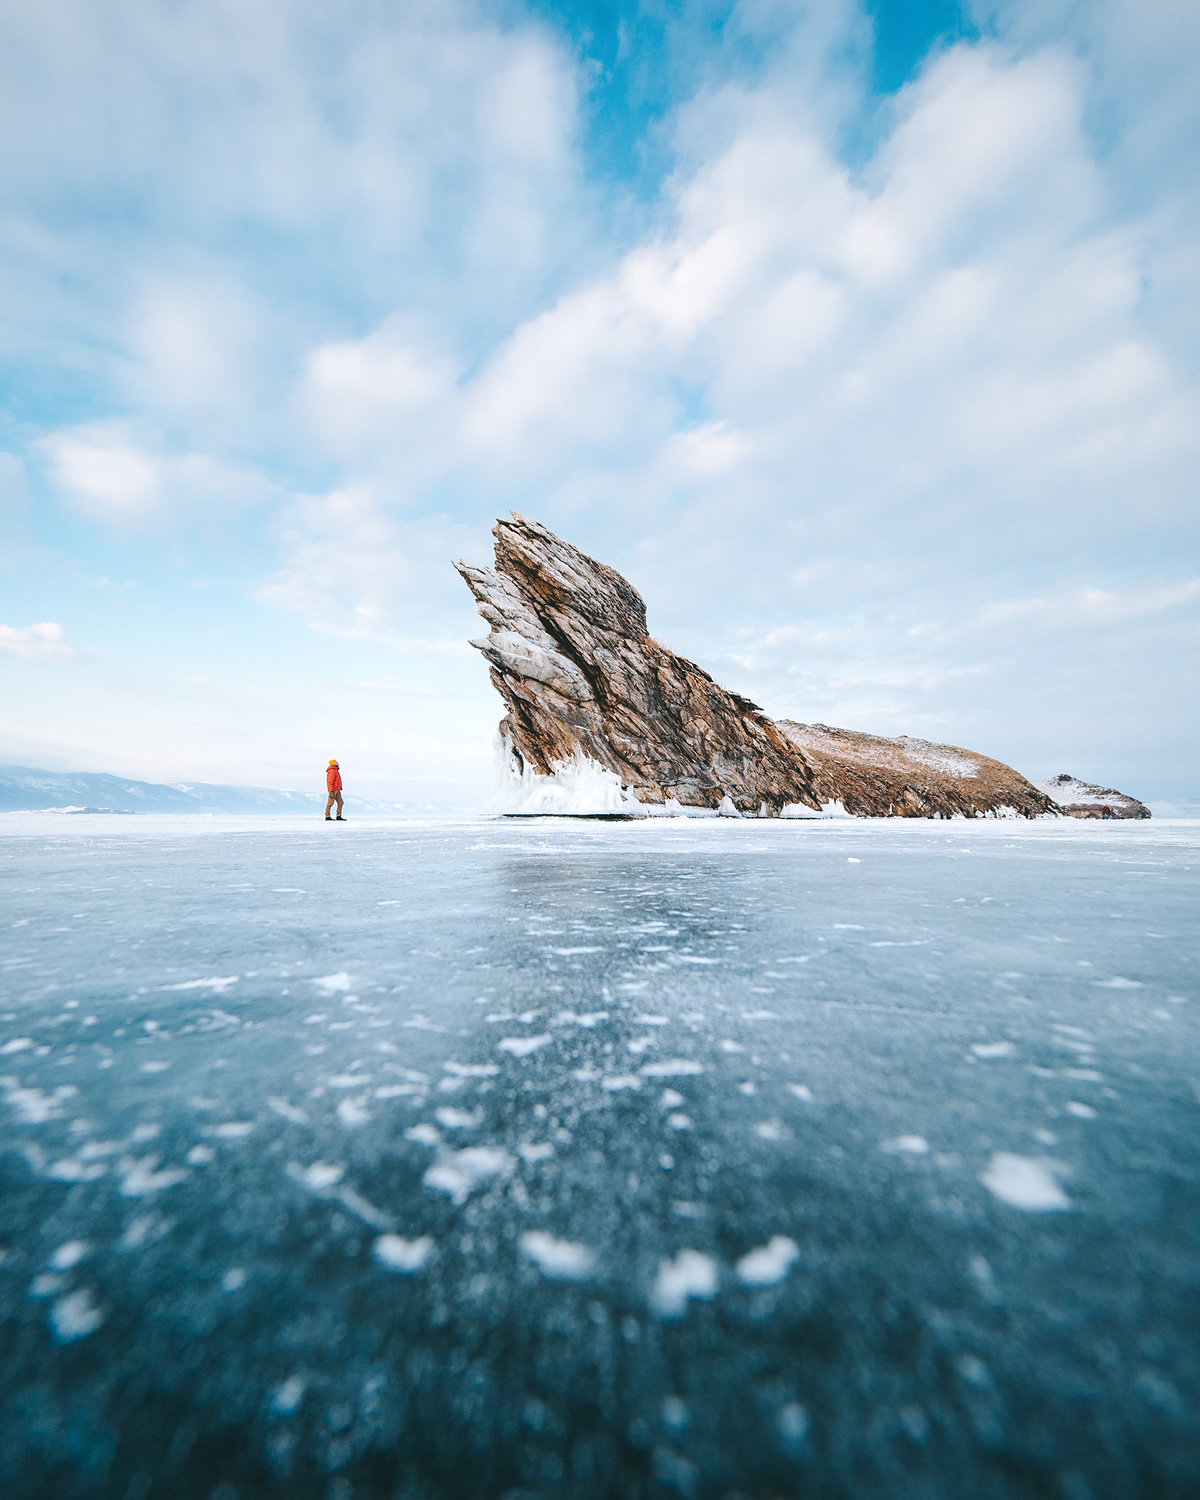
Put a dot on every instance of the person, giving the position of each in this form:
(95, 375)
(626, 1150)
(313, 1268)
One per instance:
(333, 781)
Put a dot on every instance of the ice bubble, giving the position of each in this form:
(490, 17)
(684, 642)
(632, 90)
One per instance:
(398, 1090)
(394, 1253)
(522, 1046)
(17, 1044)
(914, 1145)
(1081, 1111)
(69, 1255)
(1119, 984)
(669, 1099)
(562, 1260)
(853, 861)
(690, 1274)
(674, 1067)
(459, 1173)
(1024, 1182)
(159, 1066)
(992, 1049)
(770, 1130)
(731, 1047)
(679, 1122)
(200, 1156)
(769, 1264)
(534, 1151)
(231, 1130)
(234, 1279)
(471, 1070)
(801, 1091)
(75, 1316)
(623, 1081)
(651, 1021)
(424, 1134)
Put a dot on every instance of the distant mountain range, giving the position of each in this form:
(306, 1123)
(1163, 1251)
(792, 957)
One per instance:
(27, 789)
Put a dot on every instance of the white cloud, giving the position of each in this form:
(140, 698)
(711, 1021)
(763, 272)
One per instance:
(44, 642)
(104, 471)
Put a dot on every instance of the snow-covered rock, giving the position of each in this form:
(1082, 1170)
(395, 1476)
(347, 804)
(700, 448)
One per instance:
(1083, 799)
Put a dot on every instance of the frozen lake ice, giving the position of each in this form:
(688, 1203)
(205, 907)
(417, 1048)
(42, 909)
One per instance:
(553, 1158)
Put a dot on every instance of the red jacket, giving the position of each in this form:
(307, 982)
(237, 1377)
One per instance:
(333, 779)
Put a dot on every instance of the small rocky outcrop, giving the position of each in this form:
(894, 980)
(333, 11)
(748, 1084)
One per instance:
(1082, 799)
(581, 676)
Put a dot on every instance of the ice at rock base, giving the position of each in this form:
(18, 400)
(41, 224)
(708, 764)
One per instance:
(579, 786)
(582, 787)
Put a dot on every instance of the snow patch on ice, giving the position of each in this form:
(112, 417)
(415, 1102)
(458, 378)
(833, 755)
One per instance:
(394, 1253)
(141, 1179)
(459, 1173)
(911, 1145)
(69, 1255)
(992, 1049)
(75, 1316)
(769, 1264)
(1025, 1182)
(690, 1274)
(333, 984)
(220, 985)
(674, 1067)
(522, 1046)
(562, 1260)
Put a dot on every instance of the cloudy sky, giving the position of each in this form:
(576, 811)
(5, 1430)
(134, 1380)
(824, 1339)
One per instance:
(861, 335)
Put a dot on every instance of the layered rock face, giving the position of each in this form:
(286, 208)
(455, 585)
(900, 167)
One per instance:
(1082, 799)
(581, 676)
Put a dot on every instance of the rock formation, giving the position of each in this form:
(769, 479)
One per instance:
(581, 677)
(1081, 799)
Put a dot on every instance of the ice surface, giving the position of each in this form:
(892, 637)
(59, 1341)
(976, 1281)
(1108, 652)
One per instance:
(542, 1158)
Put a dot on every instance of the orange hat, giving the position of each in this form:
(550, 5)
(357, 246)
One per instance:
(333, 762)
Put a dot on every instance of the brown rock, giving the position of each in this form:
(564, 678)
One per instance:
(571, 657)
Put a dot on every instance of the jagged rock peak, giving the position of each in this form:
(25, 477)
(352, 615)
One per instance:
(584, 682)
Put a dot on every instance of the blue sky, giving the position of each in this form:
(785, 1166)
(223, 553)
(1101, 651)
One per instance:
(862, 338)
